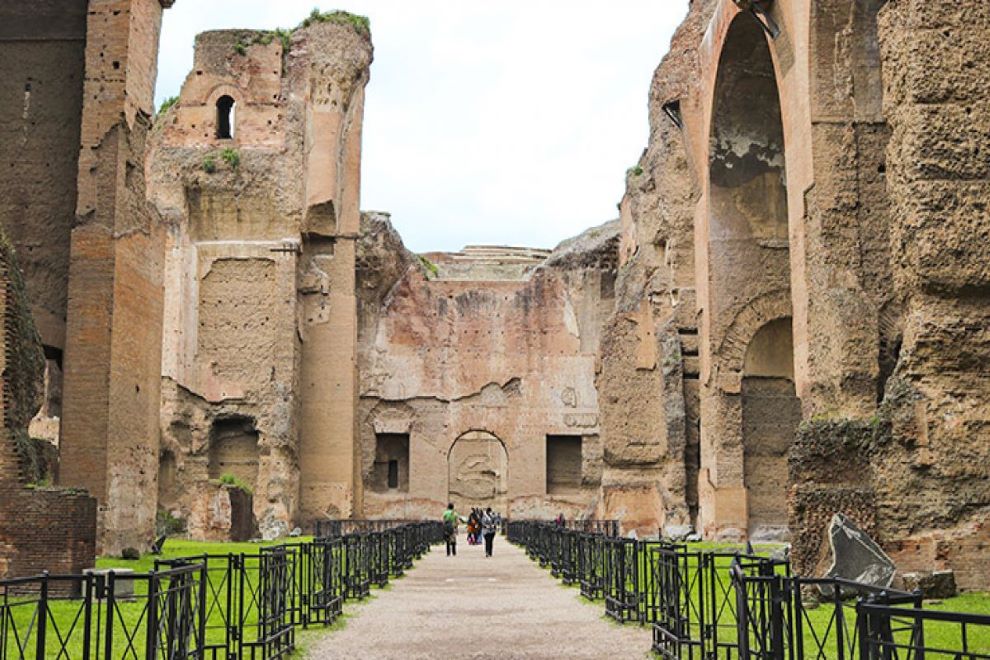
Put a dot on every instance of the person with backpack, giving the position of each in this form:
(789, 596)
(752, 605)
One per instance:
(450, 529)
(489, 525)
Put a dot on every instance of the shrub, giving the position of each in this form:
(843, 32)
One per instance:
(166, 523)
(231, 157)
(167, 103)
(430, 267)
(130, 554)
(361, 24)
(209, 165)
(268, 36)
(228, 479)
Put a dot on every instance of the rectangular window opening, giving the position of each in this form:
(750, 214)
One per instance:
(391, 468)
(564, 464)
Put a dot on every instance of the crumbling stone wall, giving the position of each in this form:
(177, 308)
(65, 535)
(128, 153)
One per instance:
(770, 244)
(478, 364)
(932, 481)
(649, 366)
(827, 475)
(881, 286)
(260, 301)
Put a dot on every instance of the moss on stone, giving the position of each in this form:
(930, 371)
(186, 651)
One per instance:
(231, 157)
(429, 266)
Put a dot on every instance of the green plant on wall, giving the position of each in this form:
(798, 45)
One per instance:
(166, 523)
(430, 267)
(209, 165)
(167, 103)
(233, 481)
(231, 157)
(268, 36)
(360, 23)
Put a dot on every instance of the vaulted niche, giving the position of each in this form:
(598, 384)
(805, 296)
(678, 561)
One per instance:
(771, 412)
(748, 186)
(478, 471)
(749, 274)
(234, 450)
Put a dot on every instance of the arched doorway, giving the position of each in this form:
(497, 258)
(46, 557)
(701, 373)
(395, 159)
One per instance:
(477, 467)
(771, 412)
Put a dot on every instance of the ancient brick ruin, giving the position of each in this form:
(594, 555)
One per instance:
(789, 318)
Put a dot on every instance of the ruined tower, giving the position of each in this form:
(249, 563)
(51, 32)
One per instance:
(257, 170)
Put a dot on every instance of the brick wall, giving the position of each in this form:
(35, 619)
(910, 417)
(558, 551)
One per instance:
(112, 372)
(829, 473)
(49, 529)
(41, 83)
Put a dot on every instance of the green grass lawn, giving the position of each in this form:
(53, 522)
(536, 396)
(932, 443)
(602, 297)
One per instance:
(19, 614)
(818, 623)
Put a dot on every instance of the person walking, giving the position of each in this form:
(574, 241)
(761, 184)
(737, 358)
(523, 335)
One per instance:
(450, 529)
(489, 524)
(474, 528)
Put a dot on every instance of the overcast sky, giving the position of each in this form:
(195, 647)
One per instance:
(506, 122)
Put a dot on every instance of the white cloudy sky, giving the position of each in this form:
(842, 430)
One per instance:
(507, 122)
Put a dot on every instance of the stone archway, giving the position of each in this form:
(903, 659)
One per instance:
(771, 412)
(747, 258)
(477, 472)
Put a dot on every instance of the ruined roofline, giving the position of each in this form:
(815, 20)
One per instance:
(360, 24)
(483, 263)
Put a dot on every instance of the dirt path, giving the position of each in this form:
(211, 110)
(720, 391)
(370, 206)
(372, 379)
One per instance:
(508, 605)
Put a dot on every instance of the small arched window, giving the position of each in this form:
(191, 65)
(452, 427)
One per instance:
(225, 117)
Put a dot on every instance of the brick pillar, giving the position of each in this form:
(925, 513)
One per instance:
(110, 427)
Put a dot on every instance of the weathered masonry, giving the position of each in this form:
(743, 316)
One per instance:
(257, 169)
(795, 244)
(477, 375)
(789, 318)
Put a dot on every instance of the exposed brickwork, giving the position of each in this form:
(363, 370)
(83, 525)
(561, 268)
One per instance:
(41, 73)
(113, 349)
(828, 476)
(49, 529)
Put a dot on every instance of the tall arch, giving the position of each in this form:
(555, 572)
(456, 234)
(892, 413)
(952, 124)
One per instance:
(748, 191)
(477, 470)
(749, 291)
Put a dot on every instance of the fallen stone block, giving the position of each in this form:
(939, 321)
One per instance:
(855, 557)
(932, 584)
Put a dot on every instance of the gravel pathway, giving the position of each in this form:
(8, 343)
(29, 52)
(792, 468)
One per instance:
(472, 607)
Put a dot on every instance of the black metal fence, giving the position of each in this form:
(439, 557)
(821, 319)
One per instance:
(155, 615)
(705, 604)
(215, 606)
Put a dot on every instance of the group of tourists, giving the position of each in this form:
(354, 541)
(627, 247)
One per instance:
(481, 524)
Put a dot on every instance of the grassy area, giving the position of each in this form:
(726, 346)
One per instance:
(19, 613)
(179, 548)
(818, 624)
